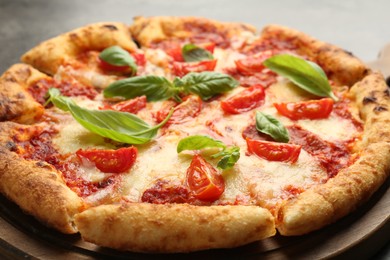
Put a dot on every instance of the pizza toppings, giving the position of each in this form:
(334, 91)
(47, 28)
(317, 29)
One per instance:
(182, 112)
(269, 125)
(164, 192)
(253, 64)
(273, 151)
(117, 126)
(130, 106)
(312, 109)
(194, 53)
(203, 180)
(305, 74)
(245, 100)
(204, 84)
(229, 155)
(110, 161)
(115, 58)
(183, 68)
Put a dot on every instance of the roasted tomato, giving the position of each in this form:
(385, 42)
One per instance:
(204, 181)
(131, 106)
(182, 68)
(313, 109)
(110, 161)
(176, 51)
(139, 58)
(253, 64)
(245, 100)
(273, 151)
(183, 112)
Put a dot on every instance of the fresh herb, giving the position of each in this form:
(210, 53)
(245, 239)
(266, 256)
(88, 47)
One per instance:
(193, 53)
(117, 56)
(204, 84)
(118, 126)
(305, 74)
(269, 125)
(229, 155)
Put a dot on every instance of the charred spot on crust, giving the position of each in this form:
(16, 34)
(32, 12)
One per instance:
(388, 81)
(11, 146)
(367, 100)
(380, 108)
(110, 27)
(349, 53)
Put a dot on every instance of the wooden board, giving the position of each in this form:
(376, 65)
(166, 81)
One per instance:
(360, 234)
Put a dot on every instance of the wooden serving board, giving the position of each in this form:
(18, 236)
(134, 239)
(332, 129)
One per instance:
(360, 235)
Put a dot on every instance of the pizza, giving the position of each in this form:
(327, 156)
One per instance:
(179, 134)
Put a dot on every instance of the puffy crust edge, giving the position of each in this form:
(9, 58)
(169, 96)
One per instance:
(147, 227)
(147, 30)
(51, 54)
(36, 187)
(327, 203)
(340, 66)
(16, 103)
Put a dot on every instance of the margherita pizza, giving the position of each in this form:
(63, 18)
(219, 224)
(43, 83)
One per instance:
(177, 134)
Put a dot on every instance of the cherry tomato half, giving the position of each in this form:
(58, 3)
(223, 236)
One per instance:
(313, 109)
(182, 68)
(245, 100)
(254, 64)
(273, 151)
(131, 106)
(110, 161)
(204, 180)
(183, 112)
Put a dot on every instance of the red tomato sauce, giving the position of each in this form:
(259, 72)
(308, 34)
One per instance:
(39, 89)
(332, 156)
(35, 144)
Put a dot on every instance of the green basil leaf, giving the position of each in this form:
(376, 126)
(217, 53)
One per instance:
(207, 84)
(193, 53)
(229, 157)
(54, 96)
(198, 142)
(117, 56)
(305, 74)
(155, 88)
(118, 126)
(269, 125)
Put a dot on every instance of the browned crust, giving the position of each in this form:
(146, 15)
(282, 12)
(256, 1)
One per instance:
(173, 228)
(147, 30)
(340, 66)
(51, 54)
(35, 186)
(327, 203)
(16, 103)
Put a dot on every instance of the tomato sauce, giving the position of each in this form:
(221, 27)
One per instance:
(35, 143)
(39, 89)
(165, 192)
(333, 156)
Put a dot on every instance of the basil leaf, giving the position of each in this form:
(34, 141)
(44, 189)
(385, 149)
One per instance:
(118, 126)
(117, 56)
(198, 142)
(305, 74)
(193, 53)
(207, 84)
(155, 88)
(54, 96)
(269, 125)
(229, 157)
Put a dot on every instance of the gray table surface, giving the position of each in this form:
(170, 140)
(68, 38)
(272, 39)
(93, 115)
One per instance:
(359, 26)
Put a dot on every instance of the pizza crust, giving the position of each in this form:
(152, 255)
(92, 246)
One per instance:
(39, 190)
(340, 66)
(51, 54)
(16, 103)
(173, 227)
(155, 29)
